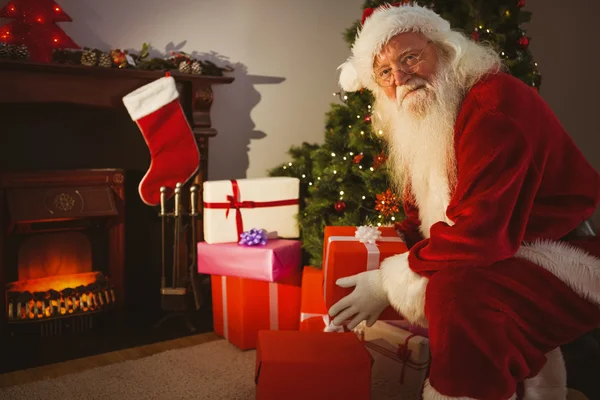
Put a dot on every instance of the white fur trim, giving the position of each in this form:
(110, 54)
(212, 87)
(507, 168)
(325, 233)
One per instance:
(405, 289)
(551, 382)
(382, 25)
(575, 267)
(150, 97)
(349, 80)
(429, 393)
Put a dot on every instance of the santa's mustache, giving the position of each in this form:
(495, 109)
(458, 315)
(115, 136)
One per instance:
(411, 85)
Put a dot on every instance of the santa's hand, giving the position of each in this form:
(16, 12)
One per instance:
(366, 302)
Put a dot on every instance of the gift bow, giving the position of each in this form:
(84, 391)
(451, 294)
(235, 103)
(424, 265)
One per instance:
(367, 234)
(233, 201)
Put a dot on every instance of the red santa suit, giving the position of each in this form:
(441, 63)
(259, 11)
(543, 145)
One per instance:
(491, 274)
(495, 284)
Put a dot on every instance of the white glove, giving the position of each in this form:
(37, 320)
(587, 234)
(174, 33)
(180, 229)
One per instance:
(366, 302)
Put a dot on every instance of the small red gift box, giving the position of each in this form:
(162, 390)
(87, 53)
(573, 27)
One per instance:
(345, 255)
(312, 365)
(242, 307)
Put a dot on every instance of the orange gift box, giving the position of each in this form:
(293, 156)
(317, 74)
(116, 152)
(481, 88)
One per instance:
(345, 255)
(312, 365)
(242, 307)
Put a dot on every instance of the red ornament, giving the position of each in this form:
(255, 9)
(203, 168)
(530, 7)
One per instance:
(119, 58)
(368, 119)
(379, 160)
(340, 206)
(521, 3)
(387, 203)
(524, 42)
(357, 158)
(475, 36)
(34, 26)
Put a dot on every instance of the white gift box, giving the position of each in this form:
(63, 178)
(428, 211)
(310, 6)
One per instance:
(401, 360)
(235, 206)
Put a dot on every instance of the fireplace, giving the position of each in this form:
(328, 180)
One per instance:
(63, 242)
(65, 129)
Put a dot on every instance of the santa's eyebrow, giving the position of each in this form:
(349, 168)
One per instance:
(402, 54)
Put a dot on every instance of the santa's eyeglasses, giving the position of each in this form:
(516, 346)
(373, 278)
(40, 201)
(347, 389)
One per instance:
(409, 64)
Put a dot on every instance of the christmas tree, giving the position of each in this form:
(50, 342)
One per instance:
(345, 181)
(35, 27)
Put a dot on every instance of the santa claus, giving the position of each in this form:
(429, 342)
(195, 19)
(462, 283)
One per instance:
(503, 266)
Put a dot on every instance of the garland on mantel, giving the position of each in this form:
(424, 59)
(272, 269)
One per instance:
(118, 58)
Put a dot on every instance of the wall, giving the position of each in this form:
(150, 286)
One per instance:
(286, 54)
(564, 45)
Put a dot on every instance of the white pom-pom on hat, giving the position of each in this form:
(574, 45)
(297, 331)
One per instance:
(349, 80)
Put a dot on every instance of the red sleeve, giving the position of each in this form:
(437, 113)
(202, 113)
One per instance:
(497, 183)
(409, 227)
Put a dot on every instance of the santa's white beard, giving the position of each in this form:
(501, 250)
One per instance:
(420, 133)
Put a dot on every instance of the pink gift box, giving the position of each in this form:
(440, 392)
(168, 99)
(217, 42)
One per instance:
(277, 260)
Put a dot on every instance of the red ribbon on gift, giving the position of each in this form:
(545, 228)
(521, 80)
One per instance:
(404, 353)
(233, 201)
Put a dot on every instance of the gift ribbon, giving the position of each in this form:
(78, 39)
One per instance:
(233, 201)
(329, 326)
(404, 353)
(273, 307)
(372, 252)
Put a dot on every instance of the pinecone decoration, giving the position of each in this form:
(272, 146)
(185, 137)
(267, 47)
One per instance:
(89, 57)
(196, 68)
(104, 60)
(185, 67)
(20, 52)
(4, 50)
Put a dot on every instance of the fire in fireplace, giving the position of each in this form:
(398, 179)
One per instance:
(58, 296)
(63, 246)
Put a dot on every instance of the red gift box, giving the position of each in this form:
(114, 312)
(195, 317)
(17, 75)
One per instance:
(311, 365)
(313, 313)
(242, 307)
(345, 255)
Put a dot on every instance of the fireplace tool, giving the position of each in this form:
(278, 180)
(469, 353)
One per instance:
(174, 296)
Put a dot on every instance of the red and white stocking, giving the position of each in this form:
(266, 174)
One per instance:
(175, 158)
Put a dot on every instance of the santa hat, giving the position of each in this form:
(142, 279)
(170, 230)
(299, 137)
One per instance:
(379, 25)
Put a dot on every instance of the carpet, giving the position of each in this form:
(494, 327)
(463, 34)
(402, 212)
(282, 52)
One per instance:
(214, 370)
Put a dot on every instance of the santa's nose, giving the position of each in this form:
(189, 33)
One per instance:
(400, 77)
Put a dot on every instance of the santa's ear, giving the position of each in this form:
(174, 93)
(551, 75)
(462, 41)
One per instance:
(349, 80)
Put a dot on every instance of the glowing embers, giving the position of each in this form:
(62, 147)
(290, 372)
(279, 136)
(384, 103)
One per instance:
(58, 296)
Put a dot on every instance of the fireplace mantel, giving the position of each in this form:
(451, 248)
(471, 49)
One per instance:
(26, 82)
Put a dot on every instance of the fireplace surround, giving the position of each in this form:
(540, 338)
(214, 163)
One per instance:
(113, 253)
(63, 242)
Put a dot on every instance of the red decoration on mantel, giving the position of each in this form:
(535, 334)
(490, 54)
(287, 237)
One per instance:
(35, 27)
